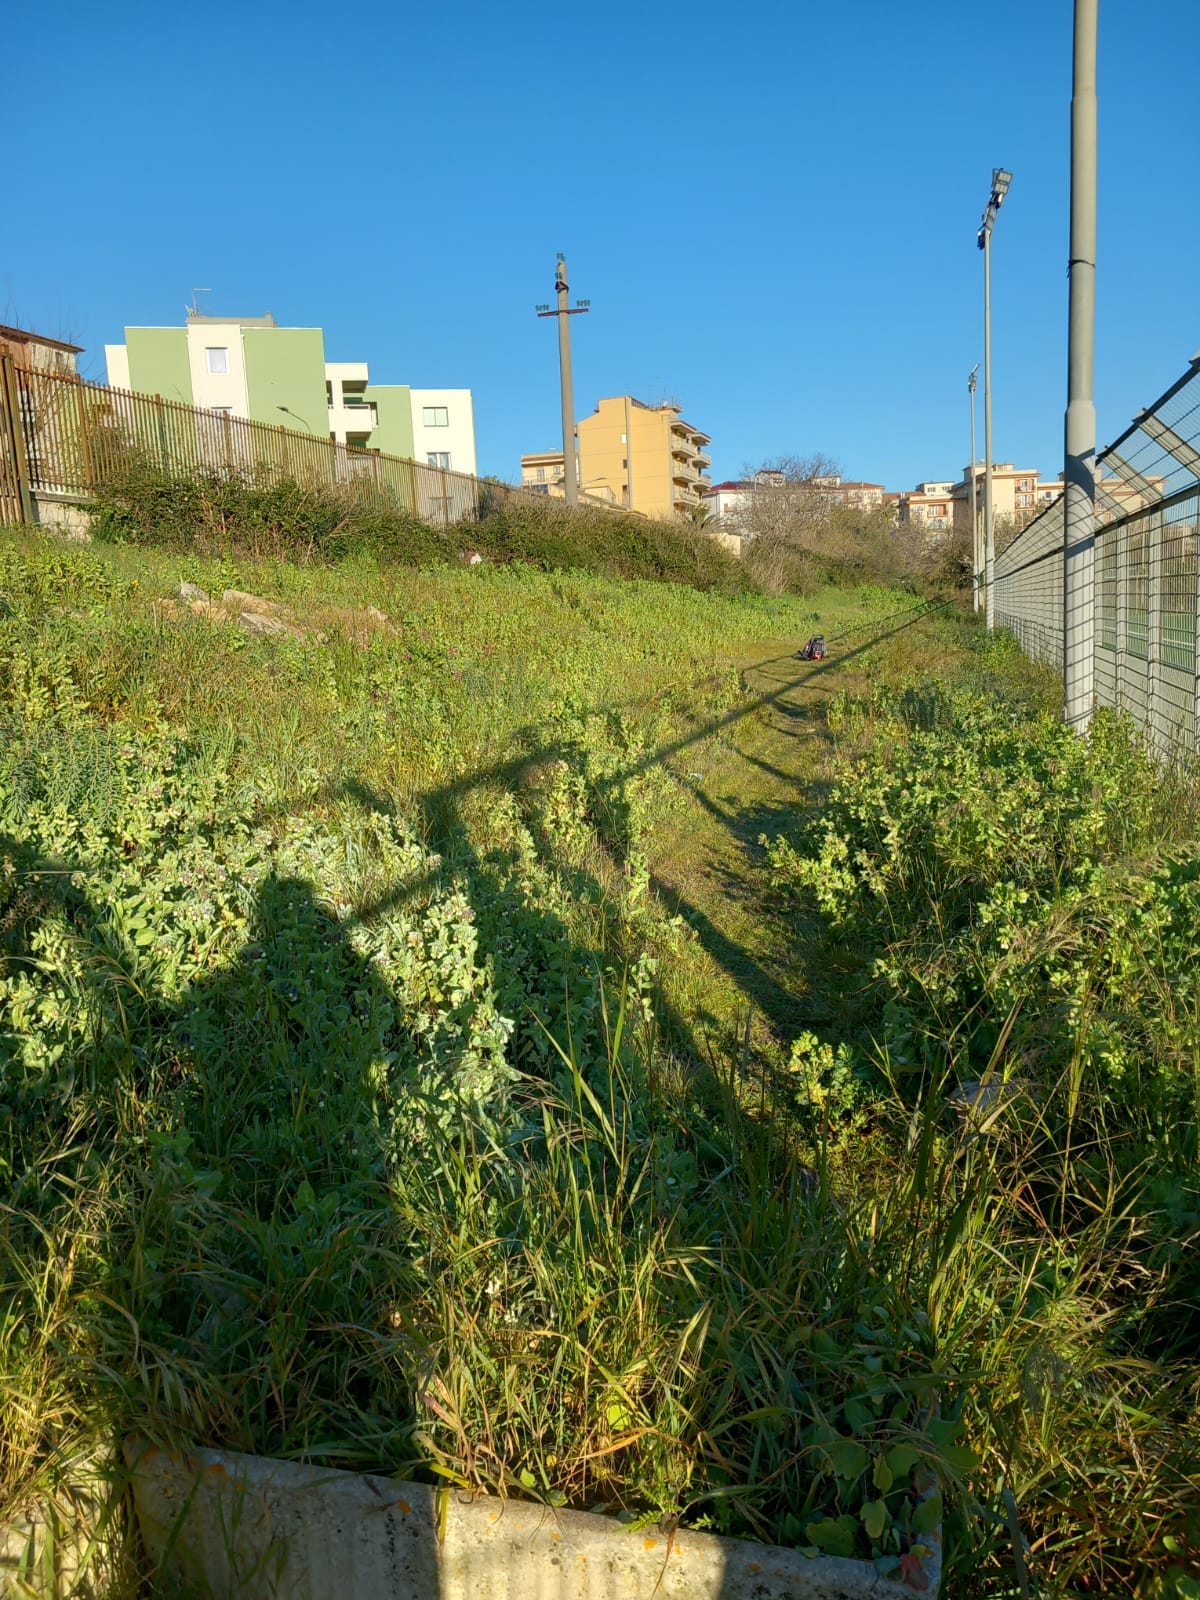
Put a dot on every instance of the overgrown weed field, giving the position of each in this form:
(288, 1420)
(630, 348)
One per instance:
(540, 1035)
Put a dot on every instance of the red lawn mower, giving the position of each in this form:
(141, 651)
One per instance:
(814, 650)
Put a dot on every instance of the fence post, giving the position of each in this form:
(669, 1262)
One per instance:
(10, 399)
(1121, 535)
(1153, 624)
(160, 429)
(85, 443)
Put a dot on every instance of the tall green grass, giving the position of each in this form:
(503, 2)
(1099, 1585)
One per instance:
(353, 1112)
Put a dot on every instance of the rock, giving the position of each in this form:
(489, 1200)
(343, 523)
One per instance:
(193, 591)
(253, 622)
(980, 1105)
(472, 557)
(381, 617)
(238, 600)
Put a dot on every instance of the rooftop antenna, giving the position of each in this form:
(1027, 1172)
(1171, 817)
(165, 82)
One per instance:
(194, 310)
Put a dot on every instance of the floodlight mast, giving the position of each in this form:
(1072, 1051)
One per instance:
(1001, 182)
(1079, 466)
(972, 383)
(562, 312)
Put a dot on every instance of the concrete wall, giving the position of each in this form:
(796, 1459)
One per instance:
(63, 513)
(226, 390)
(286, 366)
(116, 360)
(394, 431)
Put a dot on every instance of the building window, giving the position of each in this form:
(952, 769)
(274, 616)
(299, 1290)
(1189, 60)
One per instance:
(440, 458)
(541, 474)
(218, 359)
(436, 416)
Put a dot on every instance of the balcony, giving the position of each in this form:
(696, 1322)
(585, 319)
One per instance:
(353, 418)
(701, 459)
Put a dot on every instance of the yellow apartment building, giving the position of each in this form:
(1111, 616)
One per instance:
(1018, 494)
(644, 457)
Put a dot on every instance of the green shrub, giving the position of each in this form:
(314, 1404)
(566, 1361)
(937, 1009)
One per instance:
(218, 513)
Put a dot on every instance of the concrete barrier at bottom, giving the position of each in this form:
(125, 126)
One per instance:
(220, 1525)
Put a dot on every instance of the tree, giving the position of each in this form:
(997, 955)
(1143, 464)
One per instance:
(784, 504)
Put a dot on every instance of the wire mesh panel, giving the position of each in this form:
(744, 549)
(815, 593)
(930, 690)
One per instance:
(1028, 588)
(1146, 659)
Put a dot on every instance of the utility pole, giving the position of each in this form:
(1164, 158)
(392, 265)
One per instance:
(562, 311)
(971, 386)
(1079, 466)
(1000, 184)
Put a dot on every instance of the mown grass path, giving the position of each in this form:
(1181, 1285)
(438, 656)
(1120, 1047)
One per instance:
(748, 776)
(744, 780)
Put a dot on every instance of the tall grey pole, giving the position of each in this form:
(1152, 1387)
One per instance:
(1079, 467)
(1001, 183)
(971, 385)
(570, 477)
(989, 525)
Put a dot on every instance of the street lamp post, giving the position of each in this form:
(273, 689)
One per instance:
(562, 311)
(1000, 186)
(296, 417)
(971, 386)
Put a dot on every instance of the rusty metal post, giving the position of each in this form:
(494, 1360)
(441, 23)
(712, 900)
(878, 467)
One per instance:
(85, 442)
(11, 399)
(160, 429)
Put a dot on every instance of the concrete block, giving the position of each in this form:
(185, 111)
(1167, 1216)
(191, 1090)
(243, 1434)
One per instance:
(220, 1525)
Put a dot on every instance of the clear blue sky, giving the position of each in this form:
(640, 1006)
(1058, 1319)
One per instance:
(771, 208)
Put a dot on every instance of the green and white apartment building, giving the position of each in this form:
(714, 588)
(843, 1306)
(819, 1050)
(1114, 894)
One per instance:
(250, 367)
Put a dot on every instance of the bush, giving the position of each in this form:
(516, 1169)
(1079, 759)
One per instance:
(228, 514)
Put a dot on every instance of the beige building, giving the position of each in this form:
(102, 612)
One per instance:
(852, 492)
(1018, 494)
(542, 471)
(34, 352)
(930, 506)
(644, 457)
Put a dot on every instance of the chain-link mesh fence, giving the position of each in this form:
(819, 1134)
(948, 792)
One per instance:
(1147, 572)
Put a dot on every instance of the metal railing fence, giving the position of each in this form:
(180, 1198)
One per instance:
(1146, 649)
(61, 436)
